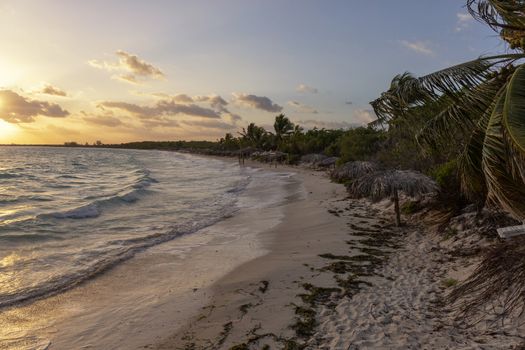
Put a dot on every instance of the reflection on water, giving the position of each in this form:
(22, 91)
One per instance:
(67, 214)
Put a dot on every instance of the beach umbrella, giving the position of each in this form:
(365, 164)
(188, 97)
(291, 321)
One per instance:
(328, 162)
(353, 170)
(387, 184)
(313, 158)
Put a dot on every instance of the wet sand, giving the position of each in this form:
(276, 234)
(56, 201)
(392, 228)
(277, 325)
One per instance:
(143, 300)
(258, 297)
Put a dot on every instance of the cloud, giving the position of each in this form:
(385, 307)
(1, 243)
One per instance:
(299, 107)
(257, 102)
(161, 123)
(363, 116)
(349, 103)
(161, 108)
(359, 117)
(49, 89)
(234, 118)
(15, 108)
(137, 66)
(130, 68)
(208, 124)
(104, 120)
(303, 88)
(182, 98)
(418, 47)
(127, 78)
(463, 21)
(216, 102)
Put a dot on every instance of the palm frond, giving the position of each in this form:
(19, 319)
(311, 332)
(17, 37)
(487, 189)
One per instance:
(499, 277)
(514, 111)
(499, 14)
(451, 82)
(503, 188)
(460, 114)
(470, 160)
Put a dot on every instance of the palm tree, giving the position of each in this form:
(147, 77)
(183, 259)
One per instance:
(388, 184)
(282, 126)
(253, 134)
(481, 103)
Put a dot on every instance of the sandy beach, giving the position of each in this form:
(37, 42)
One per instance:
(339, 275)
(318, 271)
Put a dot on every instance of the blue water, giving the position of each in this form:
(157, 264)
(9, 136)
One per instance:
(67, 214)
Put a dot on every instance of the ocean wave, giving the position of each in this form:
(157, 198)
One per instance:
(127, 195)
(114, 212)
(106, 259)
(17, 199)
(32, 237)
(84, 212)
(96, 208)
(9, 175)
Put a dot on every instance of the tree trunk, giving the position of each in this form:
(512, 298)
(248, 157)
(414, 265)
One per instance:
(396, 206)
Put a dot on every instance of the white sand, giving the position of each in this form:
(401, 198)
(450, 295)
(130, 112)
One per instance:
(219, 297)
(398, 311)
(307, 230)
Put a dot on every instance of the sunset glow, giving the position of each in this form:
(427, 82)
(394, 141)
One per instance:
(196, 70)
(7, 131)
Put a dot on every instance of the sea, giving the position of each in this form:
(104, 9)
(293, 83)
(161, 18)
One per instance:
(70, 214)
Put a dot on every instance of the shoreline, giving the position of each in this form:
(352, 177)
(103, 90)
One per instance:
(319, 271)
(359, 282)
(261, 298)
(139, 300)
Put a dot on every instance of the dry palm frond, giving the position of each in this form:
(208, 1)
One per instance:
(385, 184)
(499, 279)
(353, 170)
(328, 162)
(313, 158)
(499, 14)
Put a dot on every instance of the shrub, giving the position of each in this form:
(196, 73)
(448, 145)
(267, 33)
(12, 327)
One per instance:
(410, 207)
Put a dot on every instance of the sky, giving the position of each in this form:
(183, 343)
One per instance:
(120, 71)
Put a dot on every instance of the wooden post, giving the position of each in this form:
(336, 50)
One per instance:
(396, 206)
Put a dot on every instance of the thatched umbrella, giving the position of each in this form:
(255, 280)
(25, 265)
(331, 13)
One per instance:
(353, 170)
(328, 162)
(313, 158)
(387, 184)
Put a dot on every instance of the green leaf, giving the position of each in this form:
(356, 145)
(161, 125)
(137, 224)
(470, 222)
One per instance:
(503, 188)
(514, 111)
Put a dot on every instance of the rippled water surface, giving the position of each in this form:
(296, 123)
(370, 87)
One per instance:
(69, 213)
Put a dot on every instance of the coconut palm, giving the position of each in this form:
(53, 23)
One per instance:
(387, 184)
(253, 134)
(353, 170)
(481, 104)
(282, 126)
